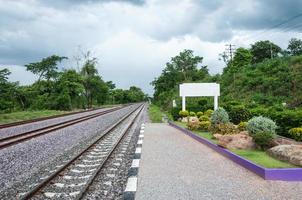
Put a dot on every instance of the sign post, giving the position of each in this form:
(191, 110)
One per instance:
(199, 90)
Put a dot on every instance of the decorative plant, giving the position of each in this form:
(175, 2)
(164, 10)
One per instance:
(263, 139)
(261, 124)
(204, 125)
(192, 114)
(184, 113)
(242, 126)
(219, 116)
(204, 118)
(224, 129)
(209, 112)
(199, 114)
(296, 133)
(193, 123)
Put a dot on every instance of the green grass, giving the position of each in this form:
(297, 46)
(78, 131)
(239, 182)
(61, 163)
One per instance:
(256, 156)
(261, 158)
(155, 114)
(203, 134)
(26, 115)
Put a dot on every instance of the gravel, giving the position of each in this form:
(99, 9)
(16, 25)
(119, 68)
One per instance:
(174, 166)
(21, 164)
(111, 182)
(5, 132)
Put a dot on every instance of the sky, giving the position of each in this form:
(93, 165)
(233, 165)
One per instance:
(134, 39)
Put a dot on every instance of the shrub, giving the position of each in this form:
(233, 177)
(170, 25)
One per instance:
(224, 129)
(296, 133)
(263, 139)
(204, 125)
(209, 112)
(261, 124)
(204, 118)
(175, 113)
(220, 116)
(192, 114)
(199, 114)
(193, 123)
(242, 126)
(238, 113)
(184, 113)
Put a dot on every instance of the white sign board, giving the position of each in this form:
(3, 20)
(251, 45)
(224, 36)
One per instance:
(199, 89)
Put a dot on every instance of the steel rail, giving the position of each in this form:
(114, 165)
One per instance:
(15, 139)
(53, 175)
(2, 126)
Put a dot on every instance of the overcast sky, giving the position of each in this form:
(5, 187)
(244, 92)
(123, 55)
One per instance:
(133, 39)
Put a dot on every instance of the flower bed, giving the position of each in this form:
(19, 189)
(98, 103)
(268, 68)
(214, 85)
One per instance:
(287, 174)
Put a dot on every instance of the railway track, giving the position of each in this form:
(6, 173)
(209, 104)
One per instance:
(2, 126)
(17, 138)
(72, 179)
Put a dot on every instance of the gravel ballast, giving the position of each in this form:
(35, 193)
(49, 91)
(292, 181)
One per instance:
(21, 164)
(111, 182)
(15, 130)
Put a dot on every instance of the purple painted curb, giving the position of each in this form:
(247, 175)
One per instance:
(284, 174)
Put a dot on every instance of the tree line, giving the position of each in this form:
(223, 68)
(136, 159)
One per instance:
(263, 71)
(63, 89)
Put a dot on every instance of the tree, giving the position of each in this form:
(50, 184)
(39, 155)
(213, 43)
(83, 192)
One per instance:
(70, 83)
(186, 63)
(47, 68)
(295, 47)
(4, 73)
(7, 92)
(262, 50)
(243, 57)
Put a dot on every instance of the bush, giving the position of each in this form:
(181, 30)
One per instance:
(242, 126)
(224, 129)
(263, 139)
(220, 116)
(209, 112)
(296, 133)
(192, 114)
(199, 114)
(175, 113)
(238, 114)
(204, 125)
(261, 124)
(193, 123)
(184, 113)
(204, 118)
(286, 120)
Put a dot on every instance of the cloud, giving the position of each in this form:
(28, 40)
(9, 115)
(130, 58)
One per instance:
(137, 37)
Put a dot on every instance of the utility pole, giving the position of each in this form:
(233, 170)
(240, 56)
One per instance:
(271, 49)
(230, 51)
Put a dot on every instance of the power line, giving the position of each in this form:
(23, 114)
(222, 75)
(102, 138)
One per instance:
(277, 25)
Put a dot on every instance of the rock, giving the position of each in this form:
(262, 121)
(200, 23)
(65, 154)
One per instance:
(190, 119)
(217, 136)
(282, 140)
(184, 120)
(236, 141)
(290, 153)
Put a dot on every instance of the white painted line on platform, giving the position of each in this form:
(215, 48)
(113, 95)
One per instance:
(138, 150)
(142, 131)
(135, 163)
(131, 184)
(141, 136)
(140, 142)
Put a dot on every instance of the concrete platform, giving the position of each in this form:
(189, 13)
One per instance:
(174, 166)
